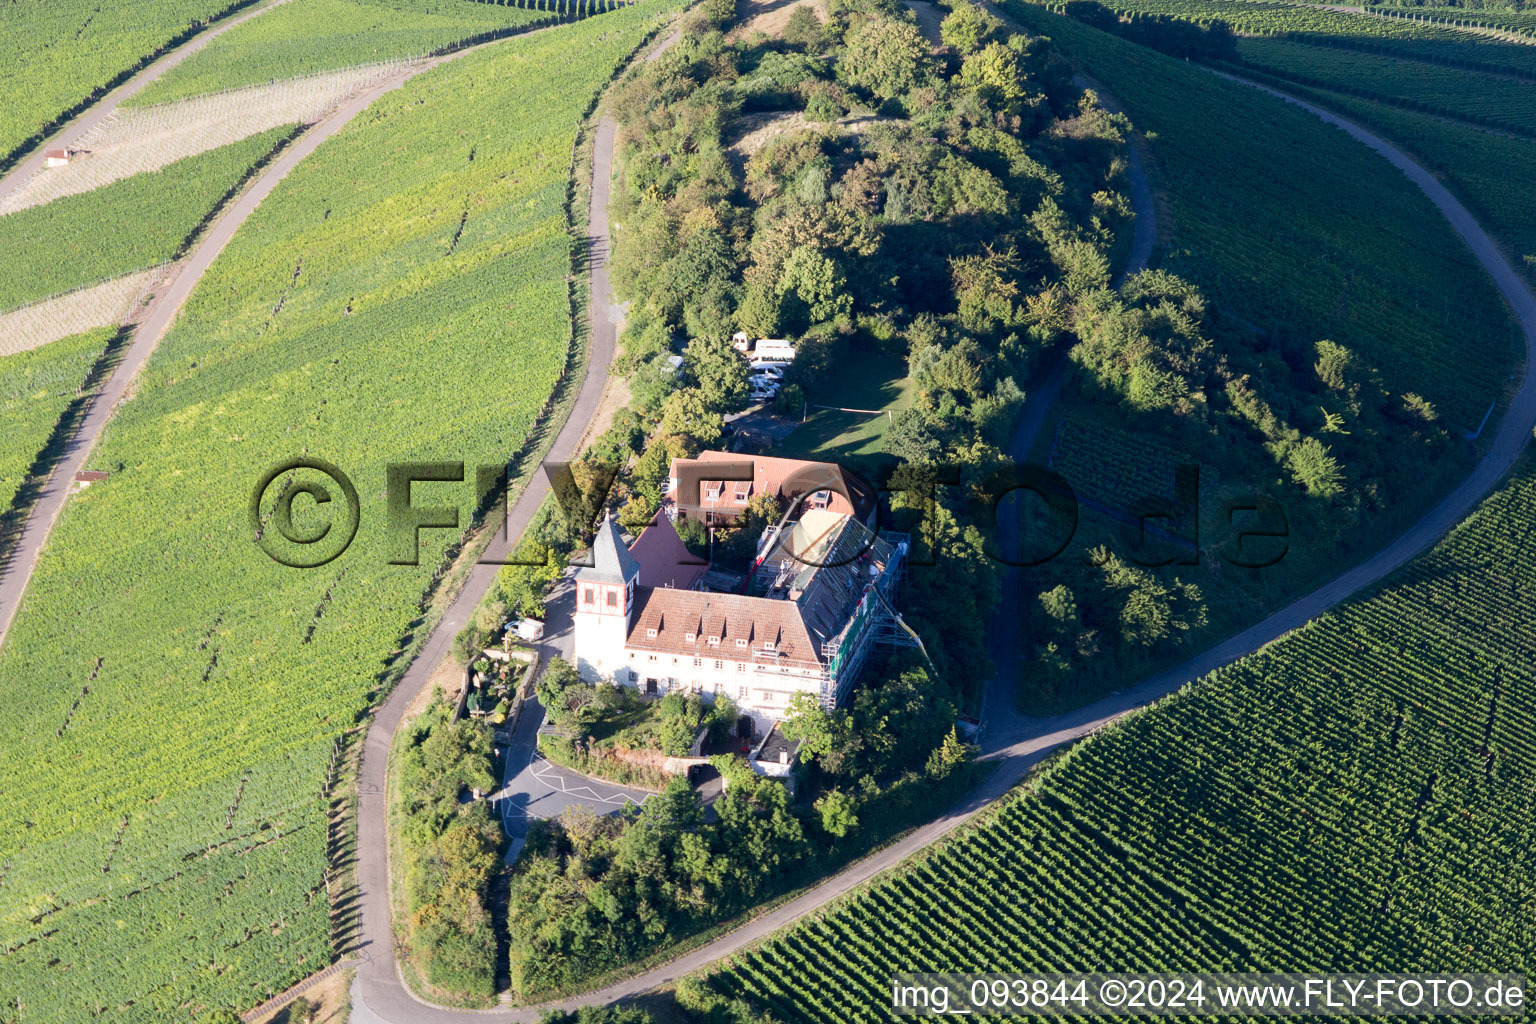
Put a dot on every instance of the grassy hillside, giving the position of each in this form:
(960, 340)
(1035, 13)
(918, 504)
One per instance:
(35, 389)
(1355, 797)
(305, 36)
(401, 296)
(129, 224)
(1285, 222)
(55, 54)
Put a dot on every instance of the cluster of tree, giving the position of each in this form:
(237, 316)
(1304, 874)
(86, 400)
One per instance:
(581, 709)
(913, 233)
(451, 850)
(591, 893)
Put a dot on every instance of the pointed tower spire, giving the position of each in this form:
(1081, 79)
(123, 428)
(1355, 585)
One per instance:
(611, 560)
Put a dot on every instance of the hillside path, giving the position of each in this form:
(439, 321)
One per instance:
(378, 993)
(76, 127)
(1016, 743)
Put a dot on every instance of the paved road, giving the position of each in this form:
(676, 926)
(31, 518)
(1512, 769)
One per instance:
(378, 994)
(104, 108)
(1016, 743)
(532, 787)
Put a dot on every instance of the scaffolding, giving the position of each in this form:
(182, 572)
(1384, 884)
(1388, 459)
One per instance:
(874, 624)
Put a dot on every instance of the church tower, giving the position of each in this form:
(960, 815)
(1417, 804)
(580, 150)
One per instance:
(605, 596)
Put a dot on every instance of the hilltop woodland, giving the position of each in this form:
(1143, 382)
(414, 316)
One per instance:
(851, 186)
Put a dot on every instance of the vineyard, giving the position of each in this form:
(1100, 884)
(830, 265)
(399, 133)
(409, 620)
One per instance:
(1493, 174)
(1496, 101)
(99, 305)
(1519, 22)
(1277, 215)
(1390, 34)
(35, 389)
(130, 142)
(1116, 469)
(55, 55)
(129, 225)
(1355, 797)
(304, 37)
(401, 295)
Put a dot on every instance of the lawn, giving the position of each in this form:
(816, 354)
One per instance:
(865, 379)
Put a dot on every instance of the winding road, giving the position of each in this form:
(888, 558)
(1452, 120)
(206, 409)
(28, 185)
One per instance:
(1015, 742)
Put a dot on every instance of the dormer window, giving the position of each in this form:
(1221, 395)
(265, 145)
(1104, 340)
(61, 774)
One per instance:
(768, 646)
(712, 493)
(741, 642)
(714, 641)
(690, 638)
(651, 633)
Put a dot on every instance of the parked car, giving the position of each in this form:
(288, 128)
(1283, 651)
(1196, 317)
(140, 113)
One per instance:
(529, 629)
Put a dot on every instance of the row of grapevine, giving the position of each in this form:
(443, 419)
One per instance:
(1114, 468)
(1284, 19)
(333, 324)
(126, 226)
(35, 390)
(1355, 797)
(1501, 24)
(1494, 100)
(60, 55)
(316, 36)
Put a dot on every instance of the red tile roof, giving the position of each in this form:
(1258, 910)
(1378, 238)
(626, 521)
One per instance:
(770, 474)
(665, 560)
(675, 615)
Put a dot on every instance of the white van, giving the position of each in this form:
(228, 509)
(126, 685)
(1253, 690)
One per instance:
(529, 629)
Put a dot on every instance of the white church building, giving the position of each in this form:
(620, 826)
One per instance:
(821, 589)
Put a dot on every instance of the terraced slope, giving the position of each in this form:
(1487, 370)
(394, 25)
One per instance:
(56, 54)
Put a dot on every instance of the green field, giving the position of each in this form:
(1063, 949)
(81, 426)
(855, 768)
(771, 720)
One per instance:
(1494, 100)
(1303, 22)
(402, 295)
(1284, 222)
(864, 380)
(1115, 468)
(36, 388)
(125, 226)
(1355, 797)
(1523, 21)
(305, 36)
(55, 54)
